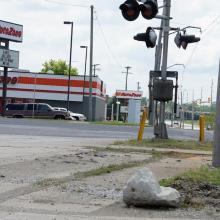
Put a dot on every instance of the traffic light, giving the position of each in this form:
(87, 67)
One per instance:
(150, 37)
(130, 10)
(149, 9)
(184, 40)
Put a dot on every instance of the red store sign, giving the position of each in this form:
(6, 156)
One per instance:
(11, 31)
(128, 94)
(10, 80)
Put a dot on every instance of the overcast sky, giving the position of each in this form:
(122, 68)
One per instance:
(46, 37)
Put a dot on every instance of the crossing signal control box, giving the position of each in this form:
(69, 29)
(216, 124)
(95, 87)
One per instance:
(163, 90)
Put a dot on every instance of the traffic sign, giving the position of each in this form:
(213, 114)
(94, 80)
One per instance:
(9, 58)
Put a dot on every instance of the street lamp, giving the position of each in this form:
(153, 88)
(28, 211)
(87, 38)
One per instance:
(84, 78)
(70, 60)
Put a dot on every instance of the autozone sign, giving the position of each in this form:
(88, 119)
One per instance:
(10, 80)
(123, 94)
(11, 31)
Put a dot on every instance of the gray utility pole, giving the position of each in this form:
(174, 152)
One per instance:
(138, 86)
(216, 149)
(95, 69)
(166, 29)
(211, 97)
(182, 116)
(91, 63)
(158, 52)
(193, 110)
(5, 76)
(126, 79)
(201, 105)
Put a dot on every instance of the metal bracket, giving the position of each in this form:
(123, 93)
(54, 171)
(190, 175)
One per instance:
(155, 74)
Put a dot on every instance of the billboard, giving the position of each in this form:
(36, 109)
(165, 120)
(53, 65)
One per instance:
(128, 94)
(10, 31)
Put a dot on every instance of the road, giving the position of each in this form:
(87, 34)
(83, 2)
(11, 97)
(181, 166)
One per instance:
(87, 130)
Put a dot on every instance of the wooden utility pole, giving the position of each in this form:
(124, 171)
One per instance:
(216, 149)
(126, 79)
(138, 86)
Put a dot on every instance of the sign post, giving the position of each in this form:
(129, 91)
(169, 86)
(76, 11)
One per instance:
(4, 87)
(8, 58)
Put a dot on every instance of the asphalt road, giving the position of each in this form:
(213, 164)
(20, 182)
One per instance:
(35, 127)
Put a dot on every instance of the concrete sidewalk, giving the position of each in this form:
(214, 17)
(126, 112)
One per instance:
(26, 216)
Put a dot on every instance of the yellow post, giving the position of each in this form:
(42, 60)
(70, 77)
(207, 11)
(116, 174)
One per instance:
(202, 129)
(142, 125)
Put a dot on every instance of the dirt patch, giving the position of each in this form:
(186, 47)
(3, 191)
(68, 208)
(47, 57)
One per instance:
(198, 194)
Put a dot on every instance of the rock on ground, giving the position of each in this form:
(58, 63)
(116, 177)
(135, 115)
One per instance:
(142, 189)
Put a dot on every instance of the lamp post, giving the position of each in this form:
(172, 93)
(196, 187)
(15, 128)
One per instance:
(70, 60)
(84, 77)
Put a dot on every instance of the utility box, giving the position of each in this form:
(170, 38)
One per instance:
(134, 111)
(163, 90)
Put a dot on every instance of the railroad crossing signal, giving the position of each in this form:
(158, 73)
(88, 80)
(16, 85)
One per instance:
(150, 37)
(131, 9)
(184, 40)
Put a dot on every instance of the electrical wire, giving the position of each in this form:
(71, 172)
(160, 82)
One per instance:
(67, 4)
(106, 42)
(214, 22)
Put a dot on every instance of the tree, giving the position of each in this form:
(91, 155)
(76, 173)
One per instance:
(59, 67)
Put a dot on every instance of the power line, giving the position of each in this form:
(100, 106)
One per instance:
(214, 22)
(67, 4)
(107, 44)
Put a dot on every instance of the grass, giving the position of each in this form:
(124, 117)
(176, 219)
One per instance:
(110, 169)
(196, 186)
(116, 123)
(155, 154)
(49, 182)
(203, 174)
(169, 143)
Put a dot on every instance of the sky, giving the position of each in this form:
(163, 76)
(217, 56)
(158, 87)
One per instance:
(46, 37)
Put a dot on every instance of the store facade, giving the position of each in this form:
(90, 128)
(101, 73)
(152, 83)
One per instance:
(27, 87)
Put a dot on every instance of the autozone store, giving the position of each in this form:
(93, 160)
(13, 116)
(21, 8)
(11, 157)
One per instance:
(26, 87)
(126, 104)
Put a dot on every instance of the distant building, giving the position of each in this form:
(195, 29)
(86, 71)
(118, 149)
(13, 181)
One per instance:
(121, 98)
(26, 87)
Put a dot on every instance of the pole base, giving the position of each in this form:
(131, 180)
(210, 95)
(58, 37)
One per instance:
(160, 131)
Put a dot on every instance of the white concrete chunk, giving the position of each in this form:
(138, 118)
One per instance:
(142, 189)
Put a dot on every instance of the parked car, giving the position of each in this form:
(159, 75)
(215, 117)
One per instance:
(37, 110)
(73, 116)
(77, 116)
